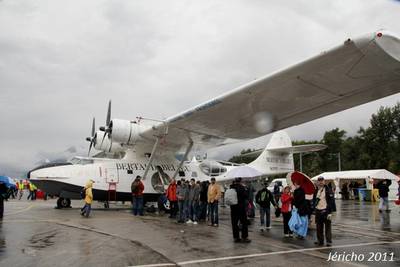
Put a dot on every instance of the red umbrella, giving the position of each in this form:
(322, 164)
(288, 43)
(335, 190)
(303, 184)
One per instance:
(303, 180)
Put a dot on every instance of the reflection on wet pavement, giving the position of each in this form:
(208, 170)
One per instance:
(42, 236)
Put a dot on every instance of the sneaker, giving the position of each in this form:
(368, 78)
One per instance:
(268, 227)
(246, 240)
(262, 228)
(189, 221)
(329, 244)
(286, 235)
(318, 243)
(237, 240)
(210, 224)
(194, 222)
(215, 225)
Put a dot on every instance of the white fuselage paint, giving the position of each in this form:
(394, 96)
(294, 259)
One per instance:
(121, 172)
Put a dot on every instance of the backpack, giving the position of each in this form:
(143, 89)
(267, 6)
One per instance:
(263, 197)
(134, 187)
(277, 189)
(83, 193)
(231, 197)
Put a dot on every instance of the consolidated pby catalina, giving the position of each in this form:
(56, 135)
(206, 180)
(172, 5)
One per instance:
(356, 72)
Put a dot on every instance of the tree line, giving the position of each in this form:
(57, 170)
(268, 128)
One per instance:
(374, 147)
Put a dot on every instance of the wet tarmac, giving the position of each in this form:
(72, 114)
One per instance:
(36, 234)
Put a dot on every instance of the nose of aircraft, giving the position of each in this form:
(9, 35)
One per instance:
(31, 173)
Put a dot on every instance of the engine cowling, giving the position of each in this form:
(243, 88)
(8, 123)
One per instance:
(126, 132)
(106, 145)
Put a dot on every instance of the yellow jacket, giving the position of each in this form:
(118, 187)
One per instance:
(89, 193)
(214, 193)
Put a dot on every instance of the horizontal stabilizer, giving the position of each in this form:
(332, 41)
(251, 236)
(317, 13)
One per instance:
(288, 150)
(299, 149)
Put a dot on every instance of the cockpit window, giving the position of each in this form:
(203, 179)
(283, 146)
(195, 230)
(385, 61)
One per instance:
(211, 168)
(81, 161)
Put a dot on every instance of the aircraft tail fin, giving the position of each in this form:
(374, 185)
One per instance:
(277, 157)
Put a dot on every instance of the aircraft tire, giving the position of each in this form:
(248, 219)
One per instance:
(63, 203)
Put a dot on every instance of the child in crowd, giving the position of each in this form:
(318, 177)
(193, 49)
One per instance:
(286, 210)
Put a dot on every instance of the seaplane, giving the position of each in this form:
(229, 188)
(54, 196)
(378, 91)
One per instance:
(355, 72)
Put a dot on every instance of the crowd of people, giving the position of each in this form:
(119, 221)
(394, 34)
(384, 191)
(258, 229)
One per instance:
(192, 202)
(22, 186)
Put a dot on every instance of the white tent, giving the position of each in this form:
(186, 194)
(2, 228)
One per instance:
(364, 176)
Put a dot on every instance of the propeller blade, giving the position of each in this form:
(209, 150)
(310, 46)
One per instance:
(90, 148)
(108, 114)
(94, 139)
(110, 146)
(93, 126)
(102, 140)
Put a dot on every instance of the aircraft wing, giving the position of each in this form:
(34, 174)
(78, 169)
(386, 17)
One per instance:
(358, 71)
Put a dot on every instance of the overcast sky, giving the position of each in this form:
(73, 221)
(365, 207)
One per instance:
(61, 61)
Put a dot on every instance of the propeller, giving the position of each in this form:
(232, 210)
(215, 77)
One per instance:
(93, 137)
(108, 128)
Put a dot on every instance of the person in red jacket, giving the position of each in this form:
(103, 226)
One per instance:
(137, 188)
(172, 198)
(286, 210)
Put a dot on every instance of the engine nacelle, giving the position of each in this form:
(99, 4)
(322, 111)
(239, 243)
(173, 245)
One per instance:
(126, 132)
(106, 144)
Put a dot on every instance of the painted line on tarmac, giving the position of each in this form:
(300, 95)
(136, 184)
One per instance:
(19, 211)
(156, 265)
(282, 252)
(367, 229)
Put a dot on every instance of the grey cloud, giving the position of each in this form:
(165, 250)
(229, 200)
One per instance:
(60, 62)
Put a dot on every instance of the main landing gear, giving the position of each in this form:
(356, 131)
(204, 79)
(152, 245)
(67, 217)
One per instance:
(63, 203)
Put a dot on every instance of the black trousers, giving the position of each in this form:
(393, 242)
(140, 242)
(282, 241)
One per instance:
(1, 207)
(286, 218)
(321, 222)
(173, 208)
(238, 214)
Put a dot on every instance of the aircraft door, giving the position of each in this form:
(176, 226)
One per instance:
(111, 175)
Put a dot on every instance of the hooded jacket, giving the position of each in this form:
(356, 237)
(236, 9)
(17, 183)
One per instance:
(88, 192)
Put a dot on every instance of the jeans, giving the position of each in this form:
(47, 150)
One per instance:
(138, 205)
(86, 209)
(30, 196)
(265, 213)
(384, 202)
(193, 213)
(182, 211)
(213, 212)
(186, 209)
